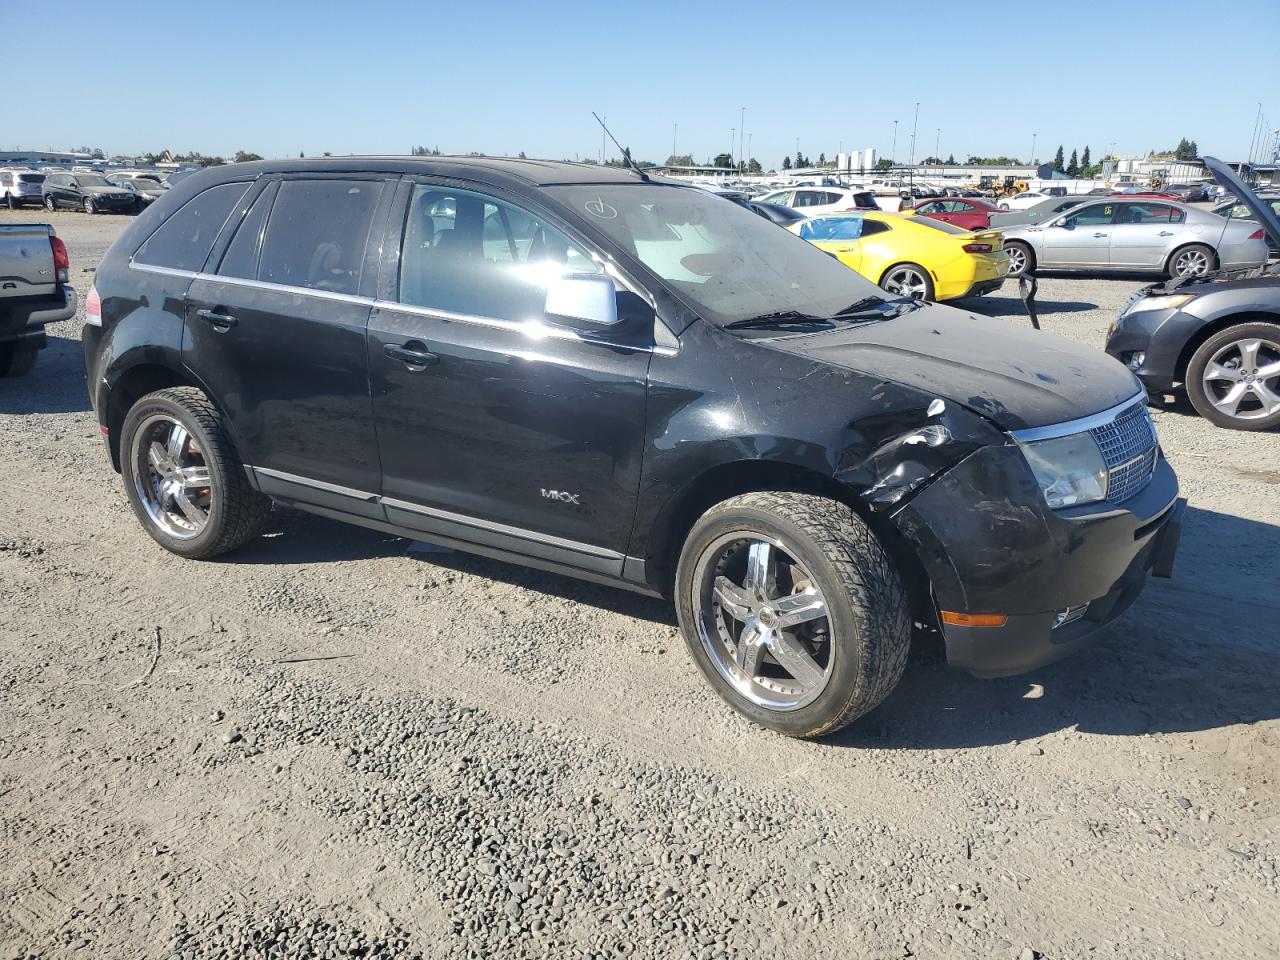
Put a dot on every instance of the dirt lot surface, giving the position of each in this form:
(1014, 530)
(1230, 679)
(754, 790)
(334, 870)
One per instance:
(327, 745)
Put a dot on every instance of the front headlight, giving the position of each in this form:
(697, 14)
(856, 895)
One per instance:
(1070, 470)
(1161, 303)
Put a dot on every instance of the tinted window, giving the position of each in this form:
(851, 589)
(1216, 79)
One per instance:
(184, 240)
(832, 228)
(1093, 215)
(933, 206)
(317, 232)
(810, 198)
(872, 227)
(1151, 213)
(241, 258)
(466, 253)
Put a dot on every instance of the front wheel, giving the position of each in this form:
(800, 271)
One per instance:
(908, 280)
(50, 204)
(1233, 379)
(1019, 258)
(183, 478)
(792, 610)
(89, 206)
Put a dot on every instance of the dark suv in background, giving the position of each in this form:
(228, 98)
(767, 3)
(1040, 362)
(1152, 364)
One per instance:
(88, 192)
(633, 382)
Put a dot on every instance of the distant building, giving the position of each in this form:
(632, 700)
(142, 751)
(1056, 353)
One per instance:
(43, 158)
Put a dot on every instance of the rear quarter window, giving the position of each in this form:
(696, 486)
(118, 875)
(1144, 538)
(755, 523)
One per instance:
(317, 233)
(184, 240)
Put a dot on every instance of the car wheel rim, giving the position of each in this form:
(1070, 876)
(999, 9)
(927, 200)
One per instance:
(763, 621)
(1192, 263)
(906, 282)
(1242, 379)
(1017, 259)
(171, 477)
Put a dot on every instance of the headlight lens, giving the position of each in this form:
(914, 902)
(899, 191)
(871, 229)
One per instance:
(1161, 303)
(1070, 470)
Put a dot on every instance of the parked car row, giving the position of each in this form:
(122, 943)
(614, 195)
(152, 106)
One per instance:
(90, 192)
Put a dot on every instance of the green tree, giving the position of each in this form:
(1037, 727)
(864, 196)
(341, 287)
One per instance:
(1085, 162)
(753, 166)
(680, 160)
(1073, 165)
(800, 161)
(1058, 160)
(786, 163)
(884, 163)
(243, 157)
(951, 159)
(822, 159)
(723, 160)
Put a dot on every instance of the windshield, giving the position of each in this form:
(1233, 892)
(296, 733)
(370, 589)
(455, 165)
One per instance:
(31, 177)
(724, 261)
(91, 181)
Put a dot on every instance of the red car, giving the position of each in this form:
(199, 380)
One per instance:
(967, 214)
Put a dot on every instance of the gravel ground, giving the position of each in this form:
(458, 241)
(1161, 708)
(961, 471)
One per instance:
(329, 745)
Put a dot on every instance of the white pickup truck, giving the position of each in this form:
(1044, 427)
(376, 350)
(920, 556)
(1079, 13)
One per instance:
(33, 292)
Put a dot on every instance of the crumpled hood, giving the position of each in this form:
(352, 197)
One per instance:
(1015, 376)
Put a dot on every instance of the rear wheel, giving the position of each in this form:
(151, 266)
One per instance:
(908, 280)
(1019, 257)
(1193, 261)
(17, 359)
(792, 610)
(183, 478)
(1233, 379)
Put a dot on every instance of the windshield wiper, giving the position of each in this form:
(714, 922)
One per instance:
(780, 318)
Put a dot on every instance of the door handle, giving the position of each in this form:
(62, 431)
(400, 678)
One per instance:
(1165, 233)
(1099, 234)
(219, 321)
(413, 354)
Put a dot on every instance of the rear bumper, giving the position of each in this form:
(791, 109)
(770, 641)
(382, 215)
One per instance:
(28, 317)
(990, 545)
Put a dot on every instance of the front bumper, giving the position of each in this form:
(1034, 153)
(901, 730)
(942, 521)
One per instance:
(990, 544)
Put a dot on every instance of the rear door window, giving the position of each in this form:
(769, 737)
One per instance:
(317, 233)
(1094, 215)
(184, 240)
(1152, 213)
(241, 258)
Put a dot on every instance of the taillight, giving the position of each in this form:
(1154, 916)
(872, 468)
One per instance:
(977, 248)
(1257, 235)
(93, 308)
(61, 262)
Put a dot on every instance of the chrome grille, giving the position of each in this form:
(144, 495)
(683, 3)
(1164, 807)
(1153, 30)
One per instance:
(1128, 445)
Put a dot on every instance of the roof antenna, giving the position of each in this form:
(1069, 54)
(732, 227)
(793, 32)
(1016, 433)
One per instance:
(626, 154)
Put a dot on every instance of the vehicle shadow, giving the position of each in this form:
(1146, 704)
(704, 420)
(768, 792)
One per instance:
(56, 385)
(1014, 307)
(1173, 664)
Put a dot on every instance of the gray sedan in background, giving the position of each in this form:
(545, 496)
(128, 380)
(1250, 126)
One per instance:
(1034, 214)
(1135, 236)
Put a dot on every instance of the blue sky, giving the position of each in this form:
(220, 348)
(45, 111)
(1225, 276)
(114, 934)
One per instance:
(281, 77)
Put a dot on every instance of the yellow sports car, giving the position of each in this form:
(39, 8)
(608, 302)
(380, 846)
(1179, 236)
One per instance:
(909, 255)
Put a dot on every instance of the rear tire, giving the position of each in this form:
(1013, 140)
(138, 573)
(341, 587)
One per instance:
(907, 280)
(233, 512)
(1021, 259)
(1230, 370)
(17, 359)
(815, 554)
(1194, 260)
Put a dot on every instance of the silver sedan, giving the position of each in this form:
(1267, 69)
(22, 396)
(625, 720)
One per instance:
(1135, 236)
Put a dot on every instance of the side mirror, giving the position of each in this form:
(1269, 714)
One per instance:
(1065, 224)
(581, 298)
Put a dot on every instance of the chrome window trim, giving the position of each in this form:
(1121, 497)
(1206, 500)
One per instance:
(526, 328)
(1083, 424)
(461, 519)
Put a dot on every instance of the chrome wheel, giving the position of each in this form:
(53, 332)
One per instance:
(763, 621)
(1191, 263)
(906, 282)
(1242, 379)
(1017, 259)
(171, 477)
(88, 205)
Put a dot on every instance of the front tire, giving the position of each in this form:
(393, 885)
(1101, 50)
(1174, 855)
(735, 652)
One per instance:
(50, 204)
(1233, 379)
(89, 207)
(182, 476)
(1020, 257)
(17, 359)
(907, 280)
(792, 610)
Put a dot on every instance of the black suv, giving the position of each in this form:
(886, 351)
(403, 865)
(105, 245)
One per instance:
(634, 382)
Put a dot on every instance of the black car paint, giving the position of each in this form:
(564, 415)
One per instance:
(644, 427)
(65, 190)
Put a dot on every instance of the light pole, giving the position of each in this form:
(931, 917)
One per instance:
(893, 154)
(733, 133)
(675, 128)
(742, 132)
(1033, 149)
(937, 139)
(603, 121)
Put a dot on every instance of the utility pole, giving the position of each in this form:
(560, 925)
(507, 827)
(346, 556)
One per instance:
(893, 154)
(742, 132)
(675, 128)
(915, 124)
(733, 132)
(1033, 149)
(937, 139)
